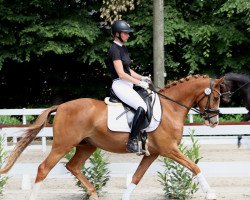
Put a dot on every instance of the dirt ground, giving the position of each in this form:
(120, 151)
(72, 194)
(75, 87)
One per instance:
(226, 188)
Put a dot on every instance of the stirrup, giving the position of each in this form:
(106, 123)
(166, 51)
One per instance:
(139, 151)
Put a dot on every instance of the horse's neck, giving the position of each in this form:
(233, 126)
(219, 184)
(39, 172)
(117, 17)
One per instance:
(183, 98)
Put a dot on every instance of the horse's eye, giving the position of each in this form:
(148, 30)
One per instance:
(216, 98)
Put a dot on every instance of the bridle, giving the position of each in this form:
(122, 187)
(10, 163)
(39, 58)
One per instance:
(207, 110)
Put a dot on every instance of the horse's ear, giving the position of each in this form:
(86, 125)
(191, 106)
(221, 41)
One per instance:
(220, 80)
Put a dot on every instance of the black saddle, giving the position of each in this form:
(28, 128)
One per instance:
(147, 97)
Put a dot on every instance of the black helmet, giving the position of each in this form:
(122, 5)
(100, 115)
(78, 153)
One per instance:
(121, 26)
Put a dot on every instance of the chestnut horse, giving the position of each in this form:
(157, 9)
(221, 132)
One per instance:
(82, 123)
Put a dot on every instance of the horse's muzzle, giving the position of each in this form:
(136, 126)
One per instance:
(212, 122)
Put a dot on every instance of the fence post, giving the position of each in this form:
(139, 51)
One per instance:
(191, 118)
(24, 117)
(44, 145)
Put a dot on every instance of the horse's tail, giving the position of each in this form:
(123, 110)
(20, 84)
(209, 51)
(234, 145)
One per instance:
(27, 138)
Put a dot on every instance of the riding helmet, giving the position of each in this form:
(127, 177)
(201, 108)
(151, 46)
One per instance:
(121, 26)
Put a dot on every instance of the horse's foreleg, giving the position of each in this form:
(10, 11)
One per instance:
(83, 152)
(140, 171)
(179, 157)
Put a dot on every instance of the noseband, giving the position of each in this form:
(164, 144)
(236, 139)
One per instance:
(207, 110)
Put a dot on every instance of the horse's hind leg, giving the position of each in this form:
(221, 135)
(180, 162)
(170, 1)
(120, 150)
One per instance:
(140, 171)
(45, 167)
(179, 157)
(83, 152)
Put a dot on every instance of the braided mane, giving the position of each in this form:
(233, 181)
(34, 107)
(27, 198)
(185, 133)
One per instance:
(182, 80)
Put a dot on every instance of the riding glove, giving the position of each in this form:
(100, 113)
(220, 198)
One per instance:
(143, 84)
(146, 79)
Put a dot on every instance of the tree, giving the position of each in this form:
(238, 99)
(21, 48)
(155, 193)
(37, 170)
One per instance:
(58, 48)
(202, 38)
(32, 29)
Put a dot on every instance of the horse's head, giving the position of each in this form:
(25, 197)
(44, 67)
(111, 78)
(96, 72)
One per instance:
(208, 101)
(226, 88)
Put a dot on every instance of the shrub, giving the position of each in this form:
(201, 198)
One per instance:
(97, 172)
(231, 118)
(9, 120)
(177, 180)
(6, 119)
(3, 154)
(223, 118)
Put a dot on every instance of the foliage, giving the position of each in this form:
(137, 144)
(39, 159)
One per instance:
(196, 119)
(9, 120)
(112, 9)
(231, 118)
(15, 120)
(177, 181)
(97, 172)
(44, 27)
(60, 47)
(222, 118)
(201, 38)
(3, 154)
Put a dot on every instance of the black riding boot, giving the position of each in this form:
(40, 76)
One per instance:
(138, 120)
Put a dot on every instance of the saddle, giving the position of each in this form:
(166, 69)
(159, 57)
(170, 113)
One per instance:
(130, 112)
(146, 96)
(120, 116)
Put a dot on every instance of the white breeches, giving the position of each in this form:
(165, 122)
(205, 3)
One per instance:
(125, 92)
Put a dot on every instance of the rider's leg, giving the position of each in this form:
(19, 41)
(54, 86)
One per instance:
(125, 92)
(138, 120)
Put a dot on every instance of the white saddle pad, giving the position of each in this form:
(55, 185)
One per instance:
(118, 122)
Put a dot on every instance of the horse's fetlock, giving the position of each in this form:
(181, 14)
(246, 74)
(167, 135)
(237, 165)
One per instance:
(91, 191)
(136, 179)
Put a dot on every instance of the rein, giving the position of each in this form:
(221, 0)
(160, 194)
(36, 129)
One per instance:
(206, 110)
(231, 93)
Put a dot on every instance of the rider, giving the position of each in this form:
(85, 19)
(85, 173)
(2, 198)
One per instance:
(124, 78)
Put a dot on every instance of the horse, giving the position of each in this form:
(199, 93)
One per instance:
(82, 123)
(233, 83)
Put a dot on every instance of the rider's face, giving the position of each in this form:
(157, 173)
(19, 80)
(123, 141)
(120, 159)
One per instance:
(124, 36)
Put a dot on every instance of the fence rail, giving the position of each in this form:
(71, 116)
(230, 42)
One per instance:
(24, 112)
(225, 133)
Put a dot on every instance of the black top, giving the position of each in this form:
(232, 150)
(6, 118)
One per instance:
(117, 52)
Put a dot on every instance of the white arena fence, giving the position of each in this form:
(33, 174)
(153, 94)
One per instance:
(225, 133)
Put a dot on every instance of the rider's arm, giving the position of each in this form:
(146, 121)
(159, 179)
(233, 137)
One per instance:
(135, 75)
(122, 75)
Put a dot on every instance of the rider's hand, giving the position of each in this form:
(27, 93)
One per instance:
(146, 79)
(143, 84)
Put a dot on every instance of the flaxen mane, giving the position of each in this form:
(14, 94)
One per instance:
(182, 80)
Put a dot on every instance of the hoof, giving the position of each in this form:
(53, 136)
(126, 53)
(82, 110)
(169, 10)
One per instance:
(211, 196)
(93, 197)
